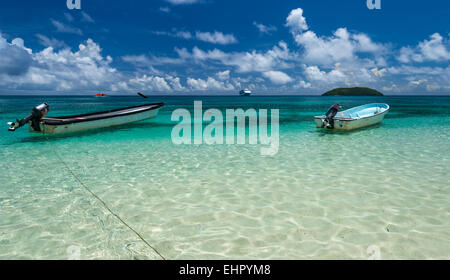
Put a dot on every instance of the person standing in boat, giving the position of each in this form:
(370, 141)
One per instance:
(331, 113)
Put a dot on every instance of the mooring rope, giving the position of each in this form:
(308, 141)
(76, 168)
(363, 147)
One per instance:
(104, 204)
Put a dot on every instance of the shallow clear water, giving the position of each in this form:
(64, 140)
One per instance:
(324, 195)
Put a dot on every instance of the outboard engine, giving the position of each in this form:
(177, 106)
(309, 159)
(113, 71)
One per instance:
(34, 117)
(328, 122)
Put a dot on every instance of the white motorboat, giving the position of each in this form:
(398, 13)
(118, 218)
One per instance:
(55, 125)
(245, 92)
(355, 117)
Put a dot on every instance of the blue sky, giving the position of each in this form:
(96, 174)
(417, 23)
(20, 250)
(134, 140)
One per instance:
(219, 47)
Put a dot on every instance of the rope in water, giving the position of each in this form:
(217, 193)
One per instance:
(106, 205)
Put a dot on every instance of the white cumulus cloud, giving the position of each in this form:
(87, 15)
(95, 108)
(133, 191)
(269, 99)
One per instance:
(50, 70)
(313, 73)
(264, 29)
(209, 84)
(152, 83)
(224, 75)
(182, 2)
(341, 47)
(64, 28)
(435, 49)
(253, 61)
(15, 59)
(50, 42)
(216, 37)
(296, 21)
(278, 77)
(86, 17)
(164, 9)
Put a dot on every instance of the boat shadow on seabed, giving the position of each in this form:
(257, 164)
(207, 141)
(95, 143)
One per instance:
(325, 132)
(41, 138)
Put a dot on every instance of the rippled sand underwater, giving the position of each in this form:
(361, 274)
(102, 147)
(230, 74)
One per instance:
(323, 196)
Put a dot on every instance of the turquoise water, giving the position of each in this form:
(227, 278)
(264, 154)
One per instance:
(324, 195)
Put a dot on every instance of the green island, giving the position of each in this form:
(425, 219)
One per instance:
(355, 91)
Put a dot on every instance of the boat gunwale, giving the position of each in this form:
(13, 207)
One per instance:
(356, 119)
(73, 118)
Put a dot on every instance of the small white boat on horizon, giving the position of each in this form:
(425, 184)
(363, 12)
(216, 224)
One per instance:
(245, 92)
(354, 118)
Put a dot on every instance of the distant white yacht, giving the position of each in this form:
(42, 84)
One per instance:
(245, 92)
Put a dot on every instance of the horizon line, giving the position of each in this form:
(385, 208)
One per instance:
(197, 95)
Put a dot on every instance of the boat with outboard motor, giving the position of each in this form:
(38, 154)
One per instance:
(356, 117)
(37, 121)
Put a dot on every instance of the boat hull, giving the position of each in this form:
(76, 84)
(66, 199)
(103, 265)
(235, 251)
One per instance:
(46, 127)
(345, 123)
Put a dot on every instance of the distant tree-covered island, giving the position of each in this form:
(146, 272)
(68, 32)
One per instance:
(356, 91)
